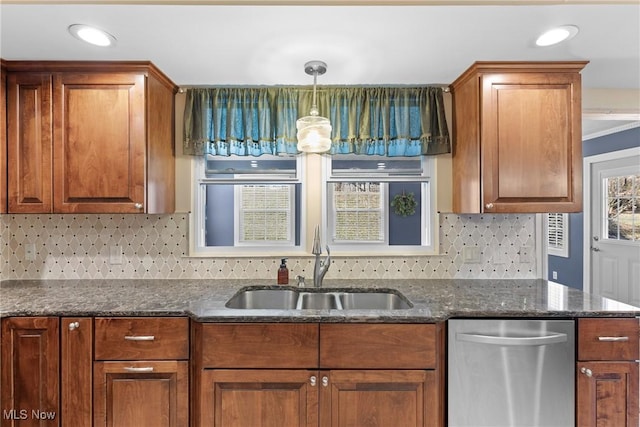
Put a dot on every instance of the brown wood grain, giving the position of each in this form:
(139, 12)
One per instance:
(609, 396)
(375, 398)
(143, 399)
(90, 137)
(378, 346)
(160, 147)
(29, 142)
(76, 371)
(29, 373)
(259, 345)
(263, 397)
(99, 142)
(171, 338)
(591, 348)
(517, 138)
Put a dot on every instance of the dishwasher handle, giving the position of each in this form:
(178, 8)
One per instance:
(512, 341)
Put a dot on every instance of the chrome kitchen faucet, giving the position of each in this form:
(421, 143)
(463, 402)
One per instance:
(320, 268)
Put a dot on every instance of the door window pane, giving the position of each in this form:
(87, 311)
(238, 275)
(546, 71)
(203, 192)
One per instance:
(622, 207)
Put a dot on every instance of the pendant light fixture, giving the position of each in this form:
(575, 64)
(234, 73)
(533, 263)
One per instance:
(314, 131)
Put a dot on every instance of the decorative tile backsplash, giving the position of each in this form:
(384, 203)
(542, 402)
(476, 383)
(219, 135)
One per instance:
(155, 247)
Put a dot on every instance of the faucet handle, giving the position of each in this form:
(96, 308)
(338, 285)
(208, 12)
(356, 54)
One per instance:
(301, 283)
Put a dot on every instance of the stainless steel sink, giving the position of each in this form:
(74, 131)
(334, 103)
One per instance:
(273, 299)
(318, 299)
(373, 301)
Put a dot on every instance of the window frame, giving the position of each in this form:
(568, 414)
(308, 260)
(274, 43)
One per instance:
(429, 242)
(197, 215)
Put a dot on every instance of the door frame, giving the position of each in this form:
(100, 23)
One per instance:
(586, 190)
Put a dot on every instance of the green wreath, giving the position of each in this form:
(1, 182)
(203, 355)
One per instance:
(404, 204)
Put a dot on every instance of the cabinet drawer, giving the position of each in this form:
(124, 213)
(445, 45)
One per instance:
(608, 339)
(150, 338)
(366, 346)
(269, 345)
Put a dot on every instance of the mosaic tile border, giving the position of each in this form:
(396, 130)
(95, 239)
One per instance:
(155, 247)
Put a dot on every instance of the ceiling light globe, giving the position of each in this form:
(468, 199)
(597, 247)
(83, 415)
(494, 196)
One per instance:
(314, 134)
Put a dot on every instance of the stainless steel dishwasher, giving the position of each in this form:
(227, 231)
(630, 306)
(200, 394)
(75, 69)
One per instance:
(511, 373)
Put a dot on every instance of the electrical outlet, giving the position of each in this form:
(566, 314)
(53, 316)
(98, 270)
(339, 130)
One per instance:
(471, 255)
(30, 252)
(115, 255)
(554, 275)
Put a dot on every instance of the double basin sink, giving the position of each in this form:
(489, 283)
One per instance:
(318, 299)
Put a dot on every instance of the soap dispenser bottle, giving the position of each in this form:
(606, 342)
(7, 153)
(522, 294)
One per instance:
(283, 273)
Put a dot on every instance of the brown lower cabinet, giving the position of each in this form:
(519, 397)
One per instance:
(121, 372)
(141, 372)
(607, 372)
(30, 372)
(319, 385)
(141, 394)
(274, 398)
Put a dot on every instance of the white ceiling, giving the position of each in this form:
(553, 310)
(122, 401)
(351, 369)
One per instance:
(267, 45)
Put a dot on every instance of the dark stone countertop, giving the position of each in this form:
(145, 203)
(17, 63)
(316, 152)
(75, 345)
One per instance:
(204, 300)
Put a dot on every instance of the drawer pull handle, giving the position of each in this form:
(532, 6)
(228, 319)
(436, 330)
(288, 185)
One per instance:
(613, 339)
(140, 338)
(312, 381)
(325, 381)
(134, 369)
(587, 372)
(74, 325)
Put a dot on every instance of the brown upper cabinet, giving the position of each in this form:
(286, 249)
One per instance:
(517, 138)
(90, 137)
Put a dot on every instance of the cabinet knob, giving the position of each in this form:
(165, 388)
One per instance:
(74, 325)
(312, 381)
(325, 381)
(586, 371)
(138, 205)
(489, 206)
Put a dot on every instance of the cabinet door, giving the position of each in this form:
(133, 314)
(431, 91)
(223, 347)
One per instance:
(99, 142)
(258, 398)
(30, 364)
(141, 394)
(531, 142)
(76, 365)
(377, 398)
(29, 142)
(607, 394)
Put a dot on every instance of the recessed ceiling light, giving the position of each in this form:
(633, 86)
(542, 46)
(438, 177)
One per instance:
(92, 35)
(557, 35)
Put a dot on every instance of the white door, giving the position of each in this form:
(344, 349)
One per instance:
(615, 229)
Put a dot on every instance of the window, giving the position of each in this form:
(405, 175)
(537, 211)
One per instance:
(622, 208)
(246, 205)
(558, 234)
(265, 214)
(357, 212)
(358, 196)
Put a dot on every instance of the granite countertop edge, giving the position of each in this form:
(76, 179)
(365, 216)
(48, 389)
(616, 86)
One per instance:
(202, 300)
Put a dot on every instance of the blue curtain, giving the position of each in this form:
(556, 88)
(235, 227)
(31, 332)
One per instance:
(388, 121)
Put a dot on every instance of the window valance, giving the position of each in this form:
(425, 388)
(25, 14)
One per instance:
(388, 121)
